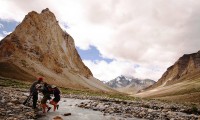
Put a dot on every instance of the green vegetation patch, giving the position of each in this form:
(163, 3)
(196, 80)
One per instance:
(7, 82)
(119, 96)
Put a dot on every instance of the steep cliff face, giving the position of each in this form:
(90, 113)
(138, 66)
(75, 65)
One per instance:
(183, 68)
(40, 38)
(41, 48)
(181, 78)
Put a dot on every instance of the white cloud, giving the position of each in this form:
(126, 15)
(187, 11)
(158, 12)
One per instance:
(1, 25)
(108, 71)
(1, 37)
(149, 33)
(6, 33)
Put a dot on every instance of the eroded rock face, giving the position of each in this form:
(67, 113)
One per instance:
(39, 47)
(183, 69)
(40, 38)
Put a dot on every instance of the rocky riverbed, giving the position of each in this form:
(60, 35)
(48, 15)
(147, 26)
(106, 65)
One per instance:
(147, 109)
(11, 108)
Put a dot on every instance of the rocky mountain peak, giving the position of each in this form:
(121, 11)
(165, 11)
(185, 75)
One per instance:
(40, 37)
(123, 81)
(39, 47)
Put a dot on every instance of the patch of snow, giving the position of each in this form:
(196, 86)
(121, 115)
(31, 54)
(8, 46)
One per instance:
(118, 79)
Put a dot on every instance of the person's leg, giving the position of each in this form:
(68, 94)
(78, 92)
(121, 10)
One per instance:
(53, 103)
(54, 106)
(48, 108)
(43, 108)
(43, 104)
(35, 98)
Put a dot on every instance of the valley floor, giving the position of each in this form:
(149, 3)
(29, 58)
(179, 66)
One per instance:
(87, 107)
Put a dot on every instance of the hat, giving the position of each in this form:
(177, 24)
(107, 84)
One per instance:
(40, 79)
(53, 86)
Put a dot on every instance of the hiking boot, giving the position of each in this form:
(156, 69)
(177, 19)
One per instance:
(49, 108)
(57, 106)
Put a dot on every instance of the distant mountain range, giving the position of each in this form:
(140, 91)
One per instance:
(128, 84)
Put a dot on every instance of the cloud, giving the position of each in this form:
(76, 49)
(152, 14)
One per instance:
(1, 37)
(148, 33)
(107, 71)
(1, 26)
(6, 33)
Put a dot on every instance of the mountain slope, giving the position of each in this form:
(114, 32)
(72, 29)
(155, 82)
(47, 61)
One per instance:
(39, 47)
(182, 78)
(129, 85)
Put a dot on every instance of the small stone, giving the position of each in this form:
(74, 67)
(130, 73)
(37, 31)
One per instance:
(67, 114)
(142, 113)
(9, 104)
(57, 118)
(15, 101)
(150, 110)
(11, 118)
(9, 111)
(11, 114)
(3, 101)
(165, 110)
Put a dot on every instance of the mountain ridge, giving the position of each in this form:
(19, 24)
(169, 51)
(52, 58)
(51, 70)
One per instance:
(129, 84)
(180, 82)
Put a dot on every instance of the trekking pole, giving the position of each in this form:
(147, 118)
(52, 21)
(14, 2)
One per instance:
(27, 99)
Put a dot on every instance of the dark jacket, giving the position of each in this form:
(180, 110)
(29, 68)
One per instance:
(33, 89)
(56, 92)
(46, 92)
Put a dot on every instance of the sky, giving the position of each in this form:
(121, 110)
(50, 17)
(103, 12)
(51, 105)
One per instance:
(139, 38)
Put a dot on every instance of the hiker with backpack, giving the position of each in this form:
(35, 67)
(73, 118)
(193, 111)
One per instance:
(34, 92)
(56, 99)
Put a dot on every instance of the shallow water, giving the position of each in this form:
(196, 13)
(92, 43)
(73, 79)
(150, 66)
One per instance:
(78, 113)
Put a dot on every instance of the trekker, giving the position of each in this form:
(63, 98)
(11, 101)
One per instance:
(34, 91)
(46, 92)
(56, 99)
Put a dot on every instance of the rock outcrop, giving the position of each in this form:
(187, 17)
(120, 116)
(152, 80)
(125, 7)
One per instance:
(39, 47)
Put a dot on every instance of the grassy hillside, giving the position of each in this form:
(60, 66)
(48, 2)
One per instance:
(186, 91)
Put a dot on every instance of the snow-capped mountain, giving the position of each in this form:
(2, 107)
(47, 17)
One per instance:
(129, 84)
